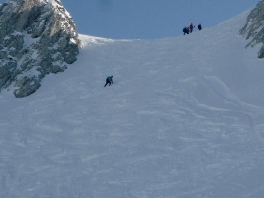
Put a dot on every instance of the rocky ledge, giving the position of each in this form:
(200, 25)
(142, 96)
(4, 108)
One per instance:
(37, 37)
(253, 30)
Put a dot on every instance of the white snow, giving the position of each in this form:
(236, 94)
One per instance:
(28, 40)
(184, 119)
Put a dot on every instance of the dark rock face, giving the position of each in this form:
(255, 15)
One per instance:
(254, 28)
(37, 37)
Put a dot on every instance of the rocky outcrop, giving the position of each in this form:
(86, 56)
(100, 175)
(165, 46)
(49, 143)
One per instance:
(253, 30)
(37, 37)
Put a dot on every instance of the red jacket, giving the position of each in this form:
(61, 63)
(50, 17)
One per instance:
(191, 26)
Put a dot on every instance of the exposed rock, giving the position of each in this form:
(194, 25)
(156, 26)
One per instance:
(254, 28)
(38, 37)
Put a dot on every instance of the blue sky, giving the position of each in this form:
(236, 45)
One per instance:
(149, 19)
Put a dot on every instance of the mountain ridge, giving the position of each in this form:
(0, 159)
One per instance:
(184, 118)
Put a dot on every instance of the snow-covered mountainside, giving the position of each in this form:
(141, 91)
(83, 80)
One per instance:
(254, 28)
(183, 119)
(38, 37)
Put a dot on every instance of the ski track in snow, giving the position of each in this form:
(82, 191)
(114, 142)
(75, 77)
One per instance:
(184, 118)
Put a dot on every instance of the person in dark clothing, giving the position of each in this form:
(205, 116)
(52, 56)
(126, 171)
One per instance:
(187, 30)
(191, 27)
(199, 27)
(184, 30)
(109, 80)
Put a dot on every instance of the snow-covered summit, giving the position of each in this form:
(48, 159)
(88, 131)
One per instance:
(39, 37)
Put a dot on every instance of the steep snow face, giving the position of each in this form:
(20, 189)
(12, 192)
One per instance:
(38, 37)
(183, 119)
(253, 30)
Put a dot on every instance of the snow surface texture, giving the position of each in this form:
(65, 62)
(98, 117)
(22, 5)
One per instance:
(38, 37)
(184, 119)
(254, 28)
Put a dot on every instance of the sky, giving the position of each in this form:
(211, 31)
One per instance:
(149, 19)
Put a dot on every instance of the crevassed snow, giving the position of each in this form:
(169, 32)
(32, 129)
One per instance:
(184, 119)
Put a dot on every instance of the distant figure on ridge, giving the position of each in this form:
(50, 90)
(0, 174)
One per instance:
(109, 80)
(199, 27)
(191, 27)
(186, 30)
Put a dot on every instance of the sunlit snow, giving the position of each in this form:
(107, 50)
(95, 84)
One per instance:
(183, 119)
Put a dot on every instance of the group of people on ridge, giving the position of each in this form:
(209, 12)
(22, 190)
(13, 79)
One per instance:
(189, 29)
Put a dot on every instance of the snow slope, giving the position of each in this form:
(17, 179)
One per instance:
(184, 119)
